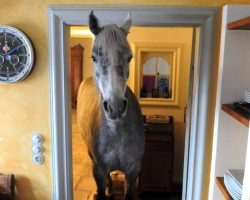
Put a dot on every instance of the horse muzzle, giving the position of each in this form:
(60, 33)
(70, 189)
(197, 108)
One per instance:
(115, 109)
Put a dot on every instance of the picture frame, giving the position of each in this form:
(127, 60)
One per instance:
(148, 83)
(168, 96)
(155, 93)
(163, 86)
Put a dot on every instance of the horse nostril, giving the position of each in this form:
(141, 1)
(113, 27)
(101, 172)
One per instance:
(105, 105)
(125, 103)
(115, 109)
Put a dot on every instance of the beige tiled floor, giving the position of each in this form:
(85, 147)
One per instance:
(83, 181)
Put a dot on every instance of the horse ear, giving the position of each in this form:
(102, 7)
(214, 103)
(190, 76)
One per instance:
(127, 23)
(94, 25)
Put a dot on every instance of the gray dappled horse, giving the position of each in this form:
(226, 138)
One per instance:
(108, 112)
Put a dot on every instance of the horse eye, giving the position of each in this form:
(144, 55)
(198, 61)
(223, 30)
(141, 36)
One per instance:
(93, 58)
(129, 58)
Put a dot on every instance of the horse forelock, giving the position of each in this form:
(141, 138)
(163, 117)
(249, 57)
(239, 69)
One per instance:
(111, 40)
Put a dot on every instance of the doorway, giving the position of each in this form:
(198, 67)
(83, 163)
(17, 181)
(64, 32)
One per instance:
(62, 16)
(158, 63)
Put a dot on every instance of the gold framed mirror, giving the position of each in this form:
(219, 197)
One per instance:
(156, 70)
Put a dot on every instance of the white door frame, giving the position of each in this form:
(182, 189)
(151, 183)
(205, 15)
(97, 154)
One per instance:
(62, 16)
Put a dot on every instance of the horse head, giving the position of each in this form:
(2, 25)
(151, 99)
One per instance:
(111, 55)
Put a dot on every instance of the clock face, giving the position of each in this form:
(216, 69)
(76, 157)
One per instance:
(16, 55)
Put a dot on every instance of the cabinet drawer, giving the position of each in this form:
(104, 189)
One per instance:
(158, 146)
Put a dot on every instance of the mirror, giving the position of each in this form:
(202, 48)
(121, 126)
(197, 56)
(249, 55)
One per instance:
(156, 70)
(155, 79)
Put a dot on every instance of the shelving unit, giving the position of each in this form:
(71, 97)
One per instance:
(231, 110)
(222, 187)
(241, 24)
(231, 141)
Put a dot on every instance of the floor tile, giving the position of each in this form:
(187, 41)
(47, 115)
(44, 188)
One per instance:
(81, 195)
(86, 183)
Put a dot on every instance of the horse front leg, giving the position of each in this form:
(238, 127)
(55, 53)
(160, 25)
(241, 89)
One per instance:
(100, 179)
(131, 178)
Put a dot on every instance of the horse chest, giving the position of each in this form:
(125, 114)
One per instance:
(112, 149)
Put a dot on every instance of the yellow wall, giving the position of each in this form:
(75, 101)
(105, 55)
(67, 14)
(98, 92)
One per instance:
(86, 43)
(24, 107)
(181, 36)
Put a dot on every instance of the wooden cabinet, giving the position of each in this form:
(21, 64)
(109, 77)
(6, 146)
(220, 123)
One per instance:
(76, 72)
(157, 166)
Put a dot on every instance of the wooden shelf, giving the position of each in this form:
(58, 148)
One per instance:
(231, 110)
(241, 24)
(220, 183)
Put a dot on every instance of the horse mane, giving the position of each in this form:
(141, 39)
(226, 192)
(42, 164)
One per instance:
(112, 39)
(88, 101)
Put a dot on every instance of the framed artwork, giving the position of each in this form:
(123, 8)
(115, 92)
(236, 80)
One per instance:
(158, 73)
(163, 86)
(149, 84)
(155, 93)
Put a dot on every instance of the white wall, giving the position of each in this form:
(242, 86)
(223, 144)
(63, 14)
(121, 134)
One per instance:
(246, 181)
(230, 136)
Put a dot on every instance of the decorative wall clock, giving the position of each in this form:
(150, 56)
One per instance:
(16, 55)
